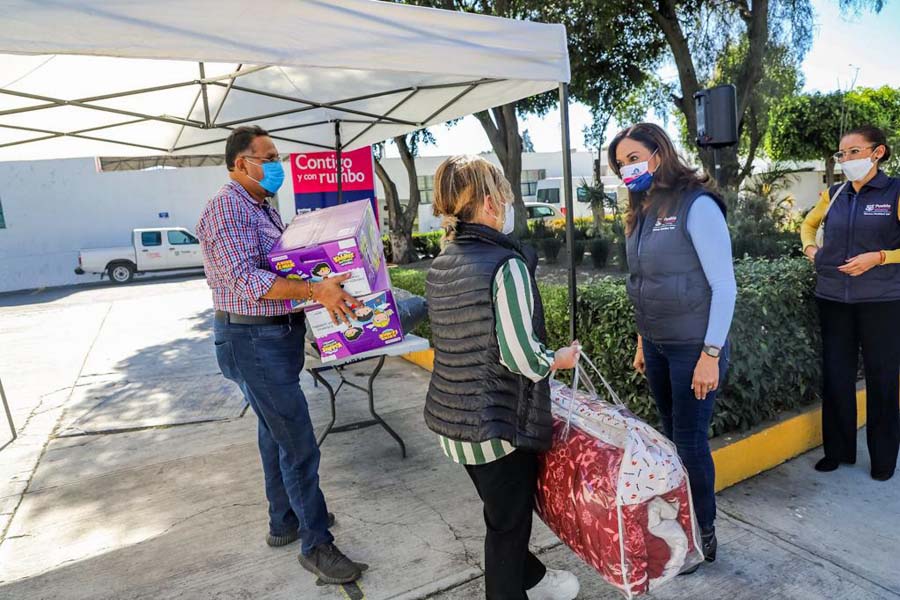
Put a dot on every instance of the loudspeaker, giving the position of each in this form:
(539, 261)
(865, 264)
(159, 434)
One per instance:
(717, 116)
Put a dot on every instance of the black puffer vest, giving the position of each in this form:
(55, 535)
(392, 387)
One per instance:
(472, 396)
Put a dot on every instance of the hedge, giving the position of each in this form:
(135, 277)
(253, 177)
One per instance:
(775, 344)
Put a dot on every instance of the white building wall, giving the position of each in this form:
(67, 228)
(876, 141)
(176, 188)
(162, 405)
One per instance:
(54, 208)
(551, 162)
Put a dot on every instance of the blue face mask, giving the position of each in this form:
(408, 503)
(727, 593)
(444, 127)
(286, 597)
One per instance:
(273, 176)
(637, 177)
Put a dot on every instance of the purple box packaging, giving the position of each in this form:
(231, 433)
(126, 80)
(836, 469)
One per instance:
(337, 239)
(377, 324)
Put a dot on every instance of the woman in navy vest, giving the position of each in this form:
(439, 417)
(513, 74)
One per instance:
(681, 282)
(858, 293)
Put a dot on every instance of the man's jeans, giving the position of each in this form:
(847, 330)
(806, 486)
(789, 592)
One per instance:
(670, 372)
(266, 361)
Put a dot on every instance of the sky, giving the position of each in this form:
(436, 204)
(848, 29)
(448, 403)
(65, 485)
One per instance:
(864, 47)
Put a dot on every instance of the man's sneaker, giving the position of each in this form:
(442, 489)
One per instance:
(276, 541)
(556, 585)
(330, 565)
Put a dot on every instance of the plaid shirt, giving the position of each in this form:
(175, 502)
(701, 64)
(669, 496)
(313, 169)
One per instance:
(236, 233)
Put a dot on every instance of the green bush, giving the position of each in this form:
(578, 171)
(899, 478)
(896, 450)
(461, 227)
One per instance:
(599, 252)
(413, 281)
(550, 247)
(538, 229)
(580, 247)
(775, 344)
(388, 248)
(428, 245)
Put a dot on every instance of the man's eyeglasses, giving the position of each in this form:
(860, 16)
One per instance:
(851, 153)
(264, 159)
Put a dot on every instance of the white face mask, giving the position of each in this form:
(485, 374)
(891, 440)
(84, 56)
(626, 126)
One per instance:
(857, 169)
(509, 219)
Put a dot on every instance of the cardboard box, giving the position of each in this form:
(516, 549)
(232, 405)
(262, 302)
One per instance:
(377, 325)
(338, 239)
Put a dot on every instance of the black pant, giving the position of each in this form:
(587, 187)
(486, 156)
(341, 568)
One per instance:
(875, 326)
(507, 488)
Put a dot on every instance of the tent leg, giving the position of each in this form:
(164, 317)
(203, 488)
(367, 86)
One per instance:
(570, 209)
(339, 159)
(9, 419)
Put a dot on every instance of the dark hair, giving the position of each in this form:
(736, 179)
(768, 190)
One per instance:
(239, 140)
(873, 135)
(673, 176)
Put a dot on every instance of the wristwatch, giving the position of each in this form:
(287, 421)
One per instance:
(713, 351)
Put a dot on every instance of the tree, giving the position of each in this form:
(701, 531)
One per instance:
(782, 78)
(698, 32)
(822, 119)
(400, 218)
(601, 39)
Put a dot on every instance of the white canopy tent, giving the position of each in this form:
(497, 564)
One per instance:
(127, 78)
(173, 77)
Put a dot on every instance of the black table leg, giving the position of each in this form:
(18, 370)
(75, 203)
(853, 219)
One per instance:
(318, 378)
(372, 407)
(369, 389)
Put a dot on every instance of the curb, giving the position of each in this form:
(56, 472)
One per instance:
(771, 444)
(742, 456)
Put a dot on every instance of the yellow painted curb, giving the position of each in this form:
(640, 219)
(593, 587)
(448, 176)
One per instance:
(752, 453)
(423, 358)
(773, 445)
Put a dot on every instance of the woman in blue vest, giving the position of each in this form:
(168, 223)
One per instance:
(681, 282)
(858, 293)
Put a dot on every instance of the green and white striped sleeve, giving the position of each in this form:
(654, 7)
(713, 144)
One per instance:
(520, 350)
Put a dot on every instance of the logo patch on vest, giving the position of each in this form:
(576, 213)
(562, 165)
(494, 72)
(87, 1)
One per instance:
(665, 224)
(878, 210)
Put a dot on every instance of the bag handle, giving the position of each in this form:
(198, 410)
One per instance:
(612, 393)
(577, 376)
(820, 230)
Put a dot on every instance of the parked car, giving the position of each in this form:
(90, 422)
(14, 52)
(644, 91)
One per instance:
(543, 211)
(549, 191)
(151, 250)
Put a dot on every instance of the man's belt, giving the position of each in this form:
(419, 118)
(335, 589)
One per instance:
(236, 319)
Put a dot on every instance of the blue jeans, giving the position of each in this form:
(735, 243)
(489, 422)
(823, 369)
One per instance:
(685, 420)
(265, 361)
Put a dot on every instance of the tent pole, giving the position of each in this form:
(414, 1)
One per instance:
(9, 419)
(570, 209)
(338, 158)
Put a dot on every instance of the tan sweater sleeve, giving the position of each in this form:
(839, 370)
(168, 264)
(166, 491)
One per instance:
(813, 220)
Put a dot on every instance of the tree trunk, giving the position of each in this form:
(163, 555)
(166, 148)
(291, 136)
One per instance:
(502, 129)
(829, 170)
(401, 237)
(598, 214)
(665, 15)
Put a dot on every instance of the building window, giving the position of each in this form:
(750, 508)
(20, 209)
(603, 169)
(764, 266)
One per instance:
(530, 178)
(426, 189)
(2, 220)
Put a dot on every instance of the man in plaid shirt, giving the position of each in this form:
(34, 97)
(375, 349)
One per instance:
(259, 345)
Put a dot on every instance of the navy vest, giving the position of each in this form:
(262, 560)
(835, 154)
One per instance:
(859, 222)
(666, 283)
(472, 397)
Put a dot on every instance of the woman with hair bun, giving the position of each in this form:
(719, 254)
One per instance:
(857, 257)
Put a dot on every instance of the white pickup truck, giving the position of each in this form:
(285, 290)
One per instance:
(161, 249)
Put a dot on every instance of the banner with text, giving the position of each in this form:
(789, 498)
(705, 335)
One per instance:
(315, 178)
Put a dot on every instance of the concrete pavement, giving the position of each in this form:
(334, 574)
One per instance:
(141, 503)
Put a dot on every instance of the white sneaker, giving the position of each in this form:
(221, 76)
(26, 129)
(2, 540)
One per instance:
(556, 585)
